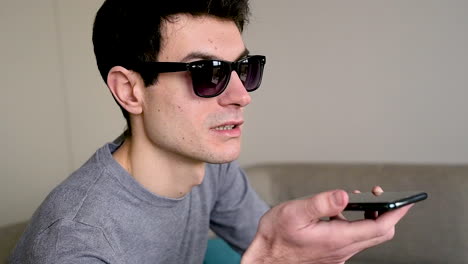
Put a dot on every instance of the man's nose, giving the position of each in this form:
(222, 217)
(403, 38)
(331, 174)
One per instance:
(235, 93)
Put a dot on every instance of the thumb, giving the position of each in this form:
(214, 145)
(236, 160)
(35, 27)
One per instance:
(325, 204)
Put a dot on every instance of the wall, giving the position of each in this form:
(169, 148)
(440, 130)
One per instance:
(57, 110)
(348, 81)
(360, 80)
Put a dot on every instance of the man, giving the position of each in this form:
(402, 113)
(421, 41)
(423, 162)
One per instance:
(181, 74)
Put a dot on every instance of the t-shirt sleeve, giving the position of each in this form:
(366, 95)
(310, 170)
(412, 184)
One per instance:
(237, 209)
(70, 242)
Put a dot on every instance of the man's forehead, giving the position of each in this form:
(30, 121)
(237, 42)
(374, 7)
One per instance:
(186, 37)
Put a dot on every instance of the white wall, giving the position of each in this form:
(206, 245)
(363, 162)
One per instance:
(360, 80)
(56, 109)
(365, 80)
(35, 149)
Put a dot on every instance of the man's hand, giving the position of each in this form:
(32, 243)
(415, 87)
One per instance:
(293, 232)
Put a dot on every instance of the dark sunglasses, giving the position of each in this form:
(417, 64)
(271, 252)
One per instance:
(211, 77)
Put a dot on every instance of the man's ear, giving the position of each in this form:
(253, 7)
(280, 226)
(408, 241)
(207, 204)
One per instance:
(123, 85)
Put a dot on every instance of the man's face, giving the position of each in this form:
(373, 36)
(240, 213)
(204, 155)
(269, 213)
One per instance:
(179, 122)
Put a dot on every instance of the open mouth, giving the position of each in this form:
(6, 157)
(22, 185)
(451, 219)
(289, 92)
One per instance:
(228, 127)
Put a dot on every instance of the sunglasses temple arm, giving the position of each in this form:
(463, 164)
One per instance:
(162, 67)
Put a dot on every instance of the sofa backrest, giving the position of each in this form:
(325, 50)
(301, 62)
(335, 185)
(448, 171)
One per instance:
(434, 231)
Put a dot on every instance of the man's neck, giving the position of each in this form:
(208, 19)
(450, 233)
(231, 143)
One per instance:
(161, 172)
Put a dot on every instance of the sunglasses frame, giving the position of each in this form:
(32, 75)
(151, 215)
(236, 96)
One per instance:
(165, 67)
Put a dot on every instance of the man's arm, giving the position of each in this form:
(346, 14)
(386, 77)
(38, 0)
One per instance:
(292, 232)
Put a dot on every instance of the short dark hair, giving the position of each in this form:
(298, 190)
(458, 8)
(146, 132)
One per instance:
(128, 32)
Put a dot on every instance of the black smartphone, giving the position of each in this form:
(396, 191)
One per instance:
(384, 202)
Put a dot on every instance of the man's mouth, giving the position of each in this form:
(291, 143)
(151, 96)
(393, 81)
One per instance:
(228, 127)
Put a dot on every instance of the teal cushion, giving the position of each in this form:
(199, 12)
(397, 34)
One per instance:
(219, 251)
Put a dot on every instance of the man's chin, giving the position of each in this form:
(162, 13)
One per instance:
(225, 157)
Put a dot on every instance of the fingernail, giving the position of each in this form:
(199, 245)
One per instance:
(338, 197)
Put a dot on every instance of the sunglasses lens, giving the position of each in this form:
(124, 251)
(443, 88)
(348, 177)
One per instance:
(250, 73)
(209, 78)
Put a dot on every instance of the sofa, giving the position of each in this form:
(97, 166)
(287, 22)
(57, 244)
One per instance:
(434, 231)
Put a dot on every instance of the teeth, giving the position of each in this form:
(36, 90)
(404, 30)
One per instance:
(225, 127)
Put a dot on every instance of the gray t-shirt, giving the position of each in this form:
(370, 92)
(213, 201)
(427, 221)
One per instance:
(100, 214)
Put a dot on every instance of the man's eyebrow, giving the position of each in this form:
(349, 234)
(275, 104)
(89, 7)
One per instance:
(244, 54)
(207, 56)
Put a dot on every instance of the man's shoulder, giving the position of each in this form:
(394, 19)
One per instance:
(55, 242)
(66, 200)
(72, 206)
